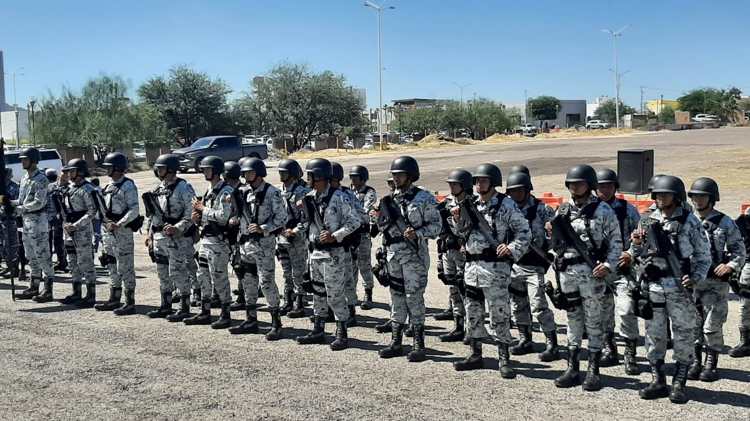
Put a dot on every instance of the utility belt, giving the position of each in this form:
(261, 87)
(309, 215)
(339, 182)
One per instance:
(134, 225)
(317, 245)
(213, 229)
(532, 258)
(487, 255)
(173, 222)
(564, 263)
(74, 216)
(449, 242)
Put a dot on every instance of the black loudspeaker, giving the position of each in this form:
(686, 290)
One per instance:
(635, 167)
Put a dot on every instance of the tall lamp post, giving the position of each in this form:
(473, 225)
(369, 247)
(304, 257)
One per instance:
(379, 8)
(615, 35)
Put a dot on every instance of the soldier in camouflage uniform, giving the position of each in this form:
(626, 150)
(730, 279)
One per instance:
(57, 244)
(291, 248)
(407, 220)
(728, 257)
(330, 219)
(212, 214)
(31, 206)
(232, 175)
(9, 228)
(169, 241)
(675, 255)
(591, 224)
(367, 198)
(80, 205)
(495, 235)
(742, 289)
(261, 216)
(527, 282)
(617, 296)
(121, 218)
(452, 260)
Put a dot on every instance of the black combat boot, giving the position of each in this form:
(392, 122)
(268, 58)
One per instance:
(695, 369)
(331, 317)
(288, 302)
(342, 339)
(394, 349)
(75, 296)
(115, 295)
(249, 325)
(215, 300)
(298, 310)
(275, 333)
(409, 331)
(525, 342)
(30, 292)
(176, 295)
(352, 320)
(658, 386)
(165, 309)
(89, 300)
(609, 351)
(317, 335)
(446, 314)
(202, 318)
(239, 303)
(129, 307)
(571, 377)
(710, 370)
(196, 300)
(384, 327)
(679, 380)
(367, 303)
(457, 334)
(225, 318)
(503, 362)
(551, 351)
(184, 311)
(418, 351)
(593, 382)
(46, 295)
(631, 366)
(743, 348)
(474, 360)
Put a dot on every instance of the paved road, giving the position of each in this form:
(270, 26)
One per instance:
(59, 362)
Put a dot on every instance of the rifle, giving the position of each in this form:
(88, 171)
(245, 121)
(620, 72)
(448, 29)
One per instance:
(563, 236)
(666, 250)
(469, 219)
(151, 204)
(390, 216)
(5, 201)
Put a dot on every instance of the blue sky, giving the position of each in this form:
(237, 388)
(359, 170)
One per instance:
(499, 47)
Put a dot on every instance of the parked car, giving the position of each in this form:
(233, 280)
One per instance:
(597, 124)
(228, 148)
(527, 129)
(705, 118)
(50, 158)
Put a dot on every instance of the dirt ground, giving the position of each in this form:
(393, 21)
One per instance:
(59, 362)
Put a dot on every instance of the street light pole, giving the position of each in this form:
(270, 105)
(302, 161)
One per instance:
(461, 90)
(615, 35)
(379, 8)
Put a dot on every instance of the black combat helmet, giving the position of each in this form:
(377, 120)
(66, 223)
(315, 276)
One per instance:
(215, 163)
(652, 180)
(607, 175)
(255, 164)
(78, 164)
(116, 161)
(406, 164)
(169, 161)
(669, 184)
(232, 170)
(319, 168)
(51, 174)
(291, 167)
(707, 186)
(518, 180)
(462, 177)
(337, 171)
(31, 153)
(490, 171)
(520, 168)
(581, 173)
(359, 171)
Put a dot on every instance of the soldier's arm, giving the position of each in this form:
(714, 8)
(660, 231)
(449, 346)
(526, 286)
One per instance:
(278, 214)
(613, 238)
(351, 220)
(91, 207)
(185, 195)
(518, 224)
(221, 213)
(371, 199)
(735, 245)
(701, 259)
(38, 193)
(432, 224)
(130, 191)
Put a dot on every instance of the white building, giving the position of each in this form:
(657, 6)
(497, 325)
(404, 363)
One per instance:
(13, 129)
(591, 107)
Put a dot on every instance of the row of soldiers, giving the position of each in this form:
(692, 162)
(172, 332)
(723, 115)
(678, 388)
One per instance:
(673, 266)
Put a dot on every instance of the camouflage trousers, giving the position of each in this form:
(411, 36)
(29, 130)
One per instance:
(118, 246)
(362, 266)
(488, 282)
(671, 305)
(257, 259)
(9, 234)
(329, 283)
(36, 248)
(617, 303)
(80, 253)
(453, 268)
(577, 282)
(213, 268)
(350, 282)
(745, 301)
(527, 298)
(191, 262)
(293, 259)
(408, 278)
(171, 262)
(712, 308)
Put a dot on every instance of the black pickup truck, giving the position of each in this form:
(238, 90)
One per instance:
(228, 148)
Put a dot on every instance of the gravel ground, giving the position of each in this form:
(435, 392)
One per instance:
(63, 363)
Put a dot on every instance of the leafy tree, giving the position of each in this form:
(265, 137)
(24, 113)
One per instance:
(666, 115)
(607, 111)
(723, 103)
(544, 107)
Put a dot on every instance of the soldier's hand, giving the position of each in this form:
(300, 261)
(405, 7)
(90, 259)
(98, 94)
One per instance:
(112, 227)
(503, 250)
(637, 236)
(148, 242)
(687, 282)
(169, 230)
(289, 233)
(410, 233)
(255, 229)
(197, 205)
(234, 221)
(196, 217)
(601, 271)
(374, 214)
(456, 213)
(548, 228)
(722, 270)
(625, 260)
(69, 228)
(326, 237)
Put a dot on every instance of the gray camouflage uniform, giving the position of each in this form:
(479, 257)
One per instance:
(80, 210)
(527, 282)
(292, 251)
(31, 206)
(745, 301)
(213, 247)
(121, 207)
(350, 258)
(669, 299)
(367, 199)
(454, 262)
(257, 251)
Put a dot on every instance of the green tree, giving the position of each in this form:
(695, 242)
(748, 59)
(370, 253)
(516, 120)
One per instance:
(723, 103)
(190, 102)
(666, 115)
(544, 107)
(607, 111)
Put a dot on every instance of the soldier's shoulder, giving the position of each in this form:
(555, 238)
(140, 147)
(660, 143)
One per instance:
(509, 204)
(88, 187)
(692, 222)
(604, 210)
(38, 177)
(727, 222)
(424, 197)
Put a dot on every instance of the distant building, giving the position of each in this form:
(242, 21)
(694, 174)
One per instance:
(572, 112)
(591, 107)
(3, 105)
(417, 103)
(11, 131)
(657, 105)
(361, 94)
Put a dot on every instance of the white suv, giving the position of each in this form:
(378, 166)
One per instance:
(597, 124)
(705, 118)
(50, 158)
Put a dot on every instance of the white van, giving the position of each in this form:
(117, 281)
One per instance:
(50, 158)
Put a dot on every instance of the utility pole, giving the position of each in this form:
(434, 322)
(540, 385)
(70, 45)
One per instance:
(615, 35)
(525, 107)
(461, 90)
(379, 8)
(642, 87)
